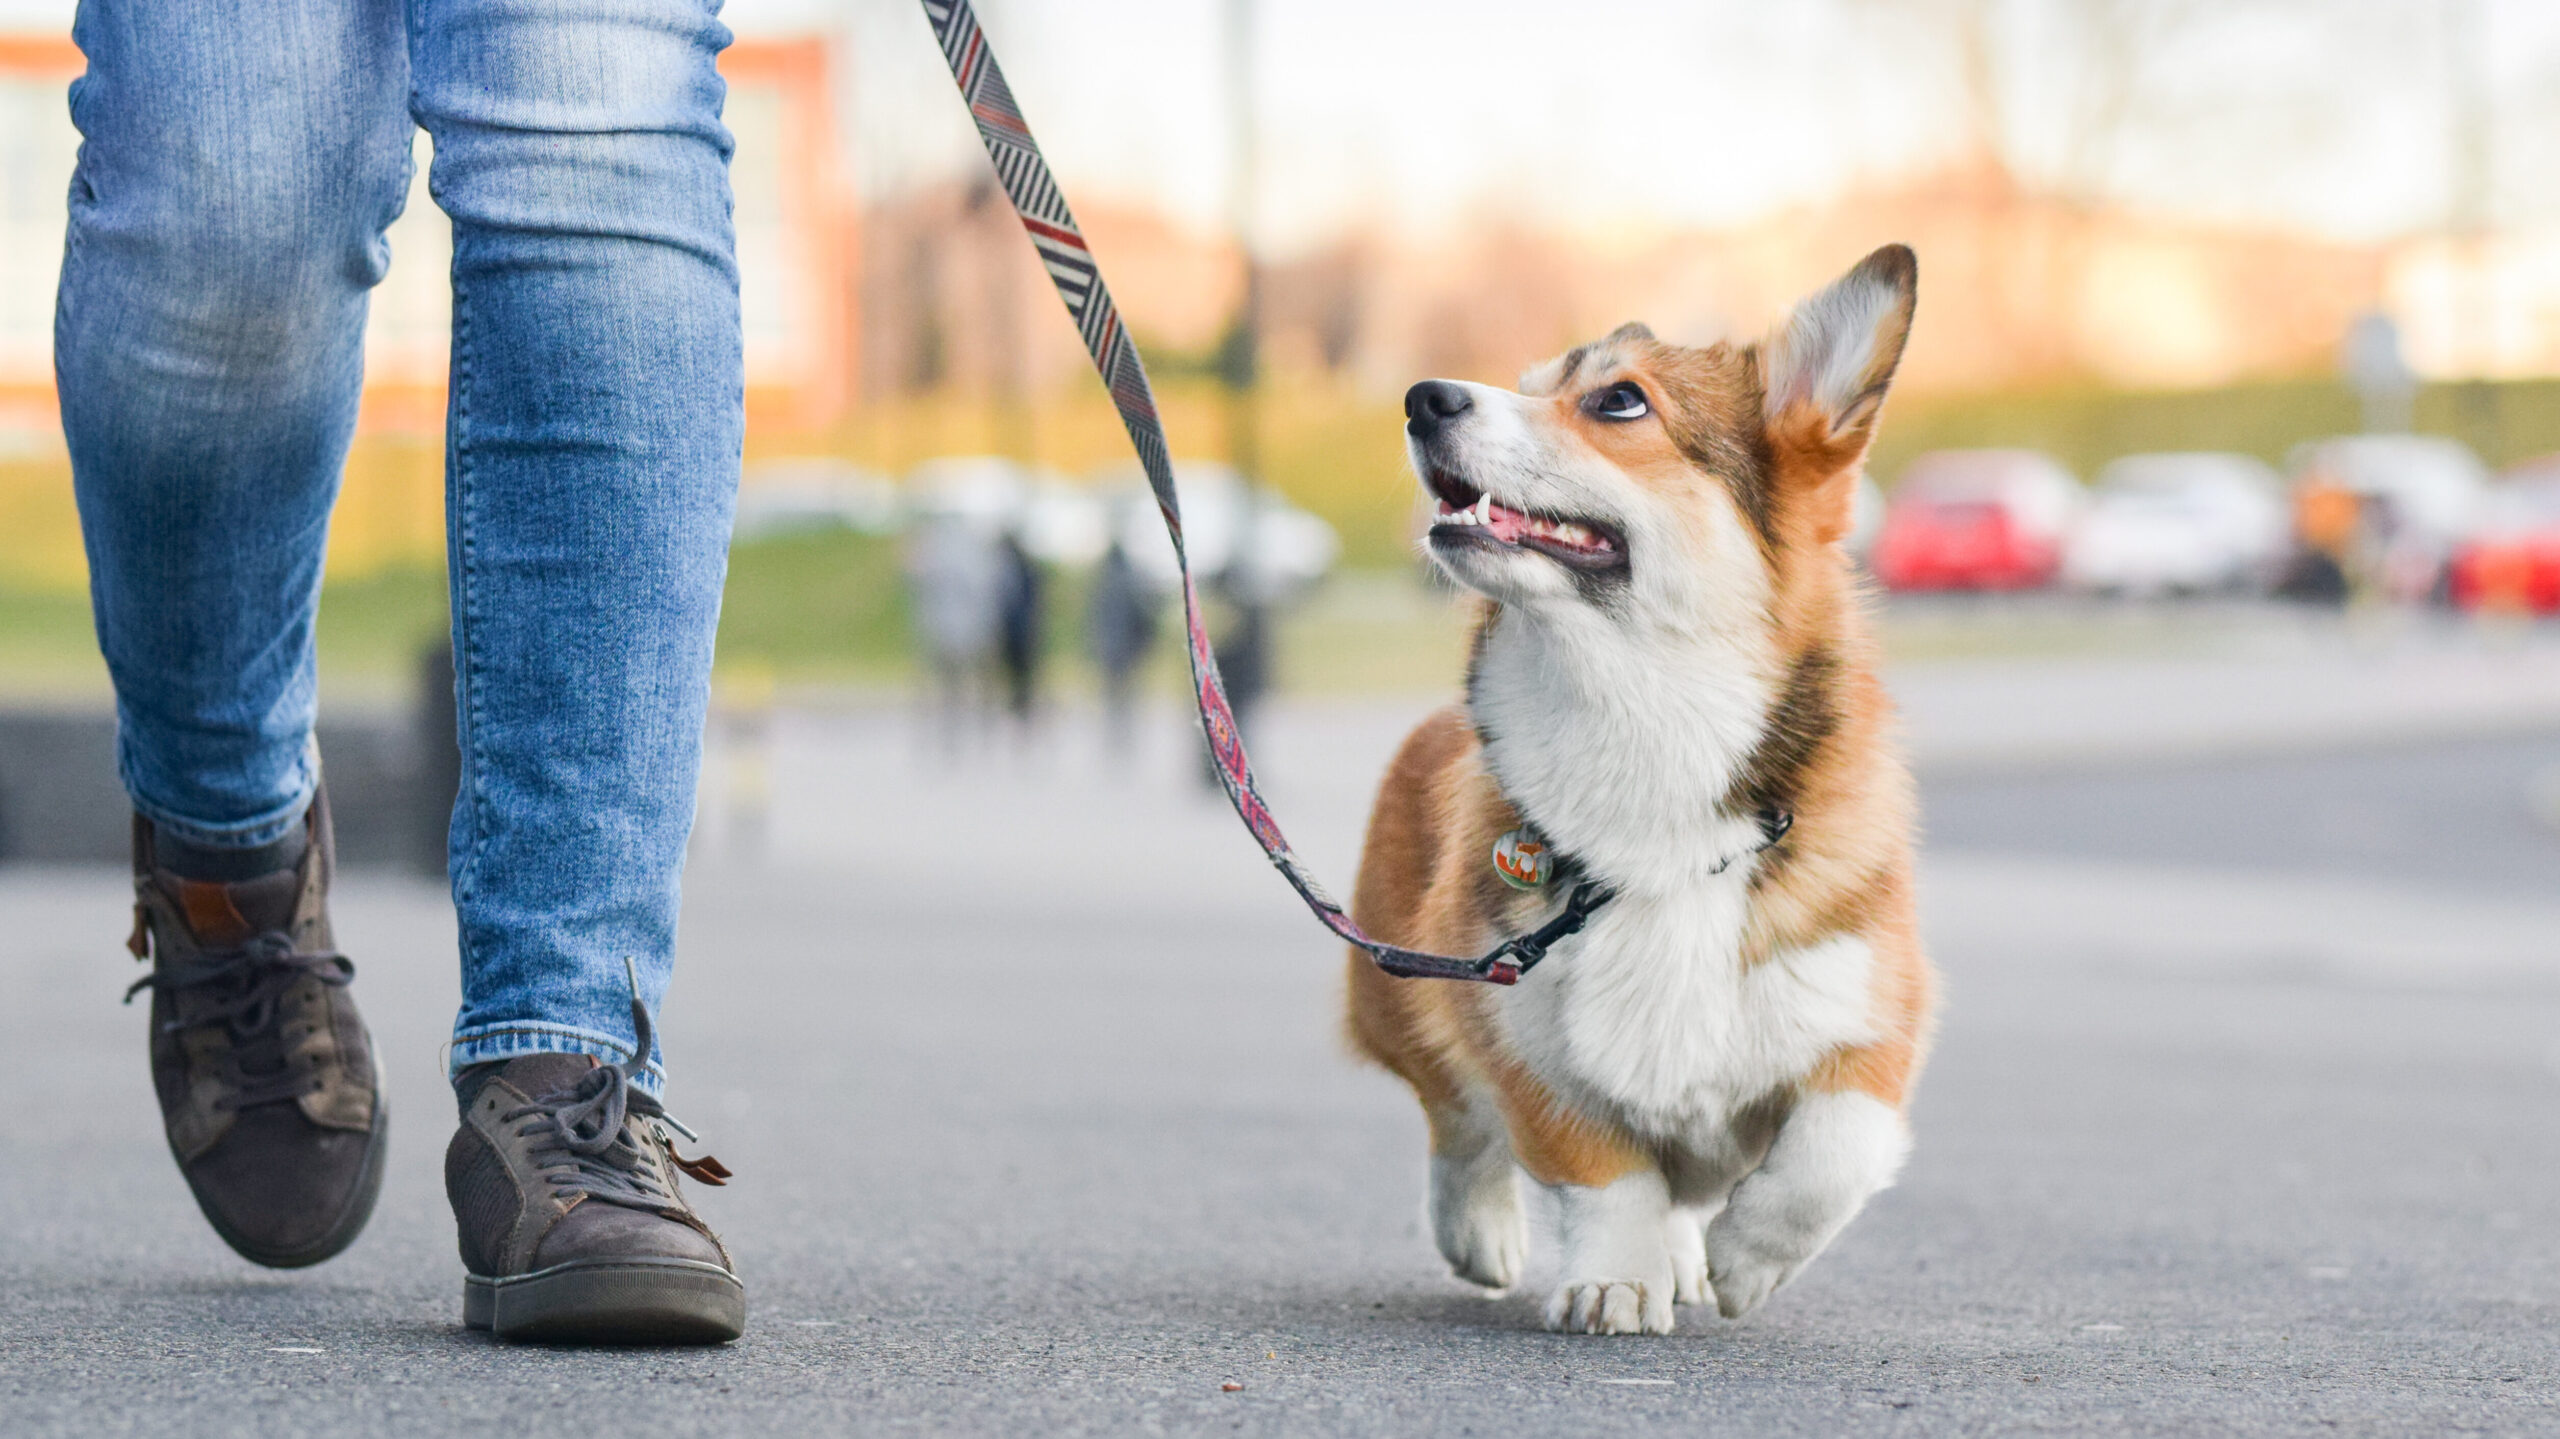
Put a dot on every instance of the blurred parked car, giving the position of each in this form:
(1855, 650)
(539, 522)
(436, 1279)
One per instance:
(786, 497)
(984, 492)
(2178, 524)
(1866, 515)
(2511, 561)
(2414, 497)
(1055, 521)
(1291, 548)
(1976, 520)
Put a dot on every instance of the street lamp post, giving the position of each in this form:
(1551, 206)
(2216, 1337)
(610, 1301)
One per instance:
(1247, 652)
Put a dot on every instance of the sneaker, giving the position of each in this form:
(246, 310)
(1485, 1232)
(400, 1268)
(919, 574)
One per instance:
(264, 1070)
(572, 1224)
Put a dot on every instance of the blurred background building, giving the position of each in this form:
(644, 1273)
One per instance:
(2177, 258)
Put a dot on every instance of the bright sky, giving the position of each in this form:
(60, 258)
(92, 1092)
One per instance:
(2329, 114)
(2334, 115)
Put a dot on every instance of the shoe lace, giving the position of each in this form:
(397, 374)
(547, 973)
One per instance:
(243, 990)
(586, 1138)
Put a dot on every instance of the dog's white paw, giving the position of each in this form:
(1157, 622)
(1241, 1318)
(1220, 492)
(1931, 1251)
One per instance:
(1833, 1152)
(1745, 1273)
(1477, 1219)
(1609, 1306)
(1619, 1277)
(1688, 1259)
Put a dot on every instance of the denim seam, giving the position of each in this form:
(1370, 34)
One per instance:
(473, 1046)
(465, 601)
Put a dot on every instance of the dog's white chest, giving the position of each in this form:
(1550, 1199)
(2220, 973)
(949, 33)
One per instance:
(1650, 1015)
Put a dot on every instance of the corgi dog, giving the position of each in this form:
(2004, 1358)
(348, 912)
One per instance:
(1672, 662)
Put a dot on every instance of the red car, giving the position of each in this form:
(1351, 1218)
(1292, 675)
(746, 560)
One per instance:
(1975, 520)
(2512, 562)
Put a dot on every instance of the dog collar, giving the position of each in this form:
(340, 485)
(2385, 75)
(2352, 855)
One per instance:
(1526, 860)
(1531, 862)
(1774, 824)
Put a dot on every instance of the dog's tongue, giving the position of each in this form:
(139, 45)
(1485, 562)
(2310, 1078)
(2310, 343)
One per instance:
(1507, 526)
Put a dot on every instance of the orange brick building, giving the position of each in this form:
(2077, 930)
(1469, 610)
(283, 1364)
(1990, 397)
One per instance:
(796, 247)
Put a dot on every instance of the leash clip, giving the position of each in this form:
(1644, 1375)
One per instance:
(1521, 953)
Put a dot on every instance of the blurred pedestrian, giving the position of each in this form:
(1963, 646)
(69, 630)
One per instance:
(238, 168)
(955, 583)
(1244, 652)
(1022, 612)
(1244, 660)
(1120, 628)
(2325, 520)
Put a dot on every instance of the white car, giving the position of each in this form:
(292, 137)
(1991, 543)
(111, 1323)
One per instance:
(1866, 515)
(1291, 548)
(1058, 522)
(2178, 524)
(788, 497)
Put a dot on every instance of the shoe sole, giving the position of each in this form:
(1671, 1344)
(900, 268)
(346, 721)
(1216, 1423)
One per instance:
(351, 1220)
(611, 1301)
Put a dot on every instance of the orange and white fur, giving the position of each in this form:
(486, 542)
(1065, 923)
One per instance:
(1711, 1078)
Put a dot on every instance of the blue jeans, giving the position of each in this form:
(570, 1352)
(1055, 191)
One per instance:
(240, 162)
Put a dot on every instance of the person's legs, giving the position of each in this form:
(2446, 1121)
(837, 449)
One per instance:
(593, 445)
(238, 167)
(592, 451)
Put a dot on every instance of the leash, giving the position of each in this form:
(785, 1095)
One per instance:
(1045, 218)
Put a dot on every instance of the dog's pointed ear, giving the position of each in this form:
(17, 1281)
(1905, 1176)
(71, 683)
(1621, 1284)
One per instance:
(1825, 372)
(1823, 379)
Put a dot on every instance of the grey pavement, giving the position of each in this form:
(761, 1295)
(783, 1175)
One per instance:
(2267, 685)
(1028, 1070)
(2474, 816)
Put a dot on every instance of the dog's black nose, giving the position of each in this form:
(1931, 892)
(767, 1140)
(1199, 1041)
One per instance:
(1431, 404)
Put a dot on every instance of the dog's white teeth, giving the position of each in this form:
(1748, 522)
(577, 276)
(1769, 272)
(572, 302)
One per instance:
(1561, 531)
(1484, 510)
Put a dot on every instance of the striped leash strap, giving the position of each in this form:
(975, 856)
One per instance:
(1071, 266)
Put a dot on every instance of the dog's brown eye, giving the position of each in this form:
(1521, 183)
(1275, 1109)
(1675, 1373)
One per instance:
(1620, 401)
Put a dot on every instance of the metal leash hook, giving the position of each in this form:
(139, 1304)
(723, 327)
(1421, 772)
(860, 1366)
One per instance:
(1070, 263)
(1521, 953)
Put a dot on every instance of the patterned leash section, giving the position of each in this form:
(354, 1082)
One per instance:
(1052, 228)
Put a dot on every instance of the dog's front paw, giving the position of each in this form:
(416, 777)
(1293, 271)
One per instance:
(1477, 1220)
(1743, 1272)
(1609, 1306)
(1833, 1152)
(1487, 1246)
(1688, 1259)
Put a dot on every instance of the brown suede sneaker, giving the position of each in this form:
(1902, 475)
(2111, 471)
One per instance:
(264, 1070)
(573, 1228)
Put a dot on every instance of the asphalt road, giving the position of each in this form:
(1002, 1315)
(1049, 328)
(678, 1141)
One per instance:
(1029, 1076)
(2480, 816)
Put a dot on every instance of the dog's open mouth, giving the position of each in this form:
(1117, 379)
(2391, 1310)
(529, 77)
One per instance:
(1467, 515)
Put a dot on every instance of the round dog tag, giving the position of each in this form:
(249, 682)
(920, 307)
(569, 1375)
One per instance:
(1523, 860)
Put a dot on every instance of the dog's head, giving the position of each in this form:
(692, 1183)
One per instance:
(1649, 480)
